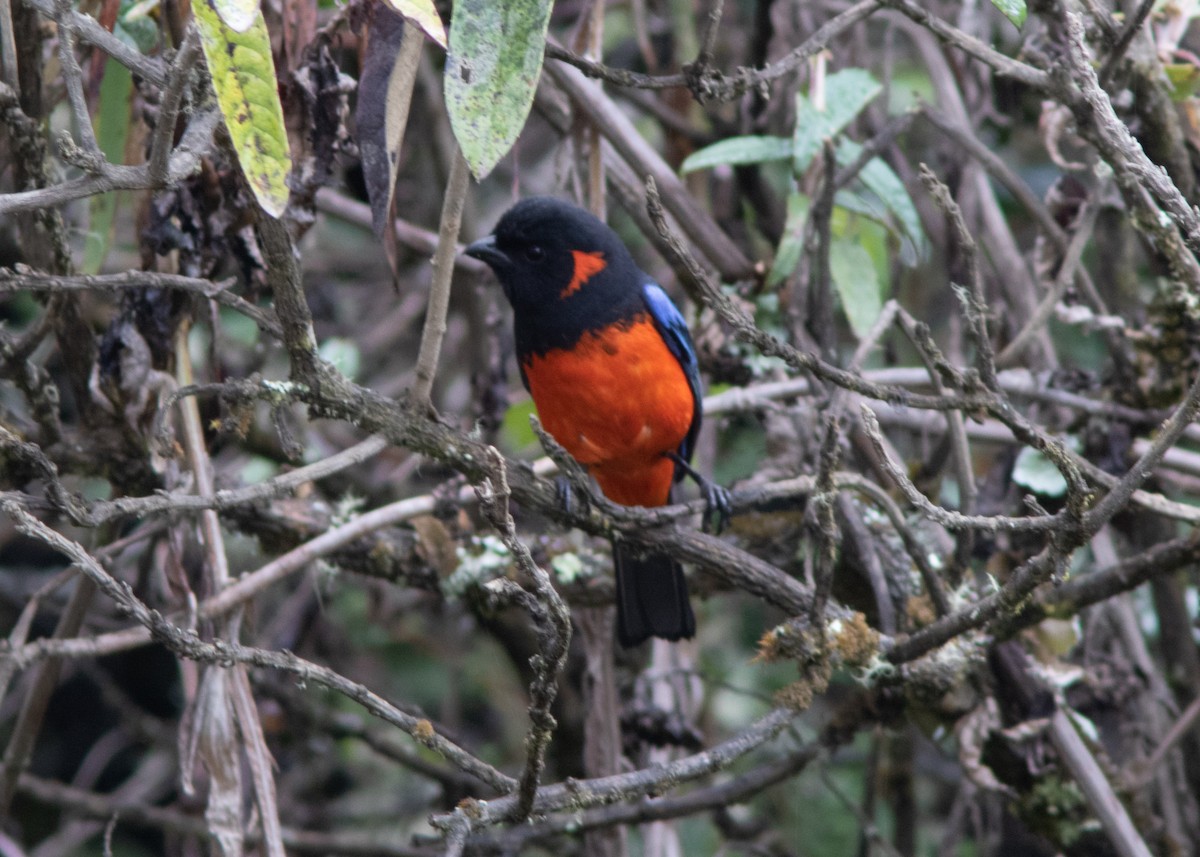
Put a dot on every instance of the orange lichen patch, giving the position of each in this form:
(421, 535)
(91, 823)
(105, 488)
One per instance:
(587, 265)
(798, 695)
(919, 610)
(854, 641)
(423, 731)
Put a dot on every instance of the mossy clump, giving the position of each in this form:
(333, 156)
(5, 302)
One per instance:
(845, 641)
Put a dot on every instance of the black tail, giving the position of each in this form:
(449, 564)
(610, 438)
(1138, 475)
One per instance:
(652, 599)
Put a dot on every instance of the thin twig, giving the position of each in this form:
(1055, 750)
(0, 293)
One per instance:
(188, 644)
(178, 79)
(73, 78)
(554, 635)
(1132, 26)
(1099, 792)
(24, 278)
(998, 62)
(713, 85)
(1085, 221)
(33, 711)
(439, 288)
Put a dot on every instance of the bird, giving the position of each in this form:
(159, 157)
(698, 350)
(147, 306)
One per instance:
(612, 370)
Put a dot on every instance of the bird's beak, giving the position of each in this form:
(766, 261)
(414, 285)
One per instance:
(485, 250)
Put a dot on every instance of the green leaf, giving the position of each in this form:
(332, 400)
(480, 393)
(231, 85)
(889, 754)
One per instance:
(787, 257)
(1184, 79)
(738, 150)
(112, 133)
(847, 92)
(243, 75)
(492, 70)
(1014, 10)
(1036, 472)
(515, 427)
(134, 27)
(424, 15)
(238, 329)
(343, 354)
(857, 283)
(882, 181)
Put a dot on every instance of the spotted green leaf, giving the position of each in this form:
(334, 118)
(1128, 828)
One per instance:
(492, 70)
(243, 75)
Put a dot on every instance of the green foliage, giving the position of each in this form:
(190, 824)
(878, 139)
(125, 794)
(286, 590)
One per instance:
(515, 429)
(846, 93)
(791, 245)
(1014, 10)
(343, 353)
(1035, 471)
(882, 181)
(1184, 78)
(853, 272)
(737, 151)
(743, 448)
(238, 328)
(135, 28)
(492, 71)
(855, 266)
(1059, 807)
(112, 133)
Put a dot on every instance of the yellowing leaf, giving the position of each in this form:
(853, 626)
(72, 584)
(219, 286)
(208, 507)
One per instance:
(238, 15)
(1184, 79)
(424, 15)
(243, 75)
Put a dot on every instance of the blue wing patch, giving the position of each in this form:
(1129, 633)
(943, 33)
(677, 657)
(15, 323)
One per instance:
(675, 333)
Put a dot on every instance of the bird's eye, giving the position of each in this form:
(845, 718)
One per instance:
(534, 253)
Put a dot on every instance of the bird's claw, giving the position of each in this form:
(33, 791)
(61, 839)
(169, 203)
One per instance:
(564, 494)
(718, 507)
(718, 502)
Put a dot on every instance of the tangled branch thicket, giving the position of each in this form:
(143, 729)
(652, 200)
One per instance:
(272, 583)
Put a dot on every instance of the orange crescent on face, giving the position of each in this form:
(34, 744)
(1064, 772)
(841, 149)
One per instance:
(587, 265)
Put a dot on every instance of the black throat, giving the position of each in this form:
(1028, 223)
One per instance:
(613, 296)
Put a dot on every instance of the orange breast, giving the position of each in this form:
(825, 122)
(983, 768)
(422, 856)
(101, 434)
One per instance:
(617, 401)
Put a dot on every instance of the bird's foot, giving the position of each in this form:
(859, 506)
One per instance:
(568, 499)
(718, 502)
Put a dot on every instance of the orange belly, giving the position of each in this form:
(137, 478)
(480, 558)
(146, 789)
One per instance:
(617, 401)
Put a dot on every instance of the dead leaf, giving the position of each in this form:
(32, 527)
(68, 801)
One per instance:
(384, 97)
